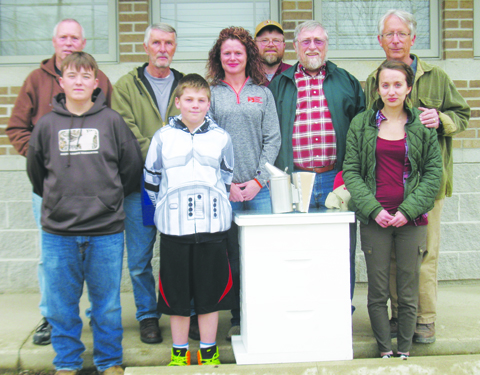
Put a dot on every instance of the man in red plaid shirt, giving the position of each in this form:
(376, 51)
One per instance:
(316, 101)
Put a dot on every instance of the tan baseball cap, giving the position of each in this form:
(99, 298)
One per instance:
(266, 23)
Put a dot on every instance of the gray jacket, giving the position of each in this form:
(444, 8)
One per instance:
(250, 117)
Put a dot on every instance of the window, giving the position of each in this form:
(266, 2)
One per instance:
(26, 28)
(352, 26)
(198, 23)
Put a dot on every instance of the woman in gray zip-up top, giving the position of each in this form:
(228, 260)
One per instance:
(246, 109)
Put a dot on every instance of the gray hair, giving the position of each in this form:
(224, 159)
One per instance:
(310, 26)
(55, 29)
(405, 17)
(165, 27)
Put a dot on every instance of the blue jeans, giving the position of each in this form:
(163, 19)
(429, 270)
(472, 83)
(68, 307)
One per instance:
(37, 214)
(140, 241)
(261, 202)
(68, 262)
(322, 186)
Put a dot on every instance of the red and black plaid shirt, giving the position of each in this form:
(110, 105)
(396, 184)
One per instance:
(314, 141)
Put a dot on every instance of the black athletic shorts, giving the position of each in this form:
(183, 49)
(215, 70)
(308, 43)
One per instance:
(194, 270)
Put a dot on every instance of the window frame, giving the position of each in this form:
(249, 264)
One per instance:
(375, 54)
(113, 45)
(202, 55)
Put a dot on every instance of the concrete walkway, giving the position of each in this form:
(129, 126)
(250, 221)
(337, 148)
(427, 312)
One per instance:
(458, 334)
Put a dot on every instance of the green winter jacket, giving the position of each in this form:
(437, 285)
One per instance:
(434, 89)
(134, 99)
(345, 100)
(424, 155)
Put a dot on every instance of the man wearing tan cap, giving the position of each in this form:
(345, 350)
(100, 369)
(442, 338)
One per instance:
(271, 44)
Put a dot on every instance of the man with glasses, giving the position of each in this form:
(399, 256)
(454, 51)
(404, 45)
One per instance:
(445, 110)
(271, 44)
(316, 101)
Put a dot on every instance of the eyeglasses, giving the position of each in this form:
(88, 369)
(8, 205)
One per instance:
(400, 35)
(266, 42)
(318, 42)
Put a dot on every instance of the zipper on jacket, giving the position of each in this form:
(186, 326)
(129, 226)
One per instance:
(239, 91)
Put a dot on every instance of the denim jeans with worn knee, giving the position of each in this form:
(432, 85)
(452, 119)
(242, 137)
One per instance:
(140, 240)
(68, 262)
(261, 202)
(37, 214)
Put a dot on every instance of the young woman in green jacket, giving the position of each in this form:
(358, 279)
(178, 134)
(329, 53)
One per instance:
(392, 170)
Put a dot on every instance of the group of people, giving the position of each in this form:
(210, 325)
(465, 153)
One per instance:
(202, 146)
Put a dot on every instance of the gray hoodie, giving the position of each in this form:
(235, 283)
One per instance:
(250, 117)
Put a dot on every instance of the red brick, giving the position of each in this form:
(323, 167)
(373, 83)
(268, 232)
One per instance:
(289, 5)
(450, 5)
(7, 100)
(468, 133)
(458, 34)
(141, 27)
(466, 24)
(141, 8)
(135, 17)
(450, 24)
(460, 84)
(124, 8)
(131, 38)
(133, 58)
(458, 14)
(125, 27)
(289, 25)
(450, 44)
(14, 90)
(474, 124)
(457, 143)
(474, 83)
(458, 55)
(304, 5)
(474, 143)
(304, 16)
(126, 48)
(469, 93)
(465, 44)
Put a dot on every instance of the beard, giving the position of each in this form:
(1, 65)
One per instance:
(271, 59)
(161, 63)
(312, 63)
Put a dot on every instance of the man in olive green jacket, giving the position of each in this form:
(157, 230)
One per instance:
(145, 99)
(445, 110)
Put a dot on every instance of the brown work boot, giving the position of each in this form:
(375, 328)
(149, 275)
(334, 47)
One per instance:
(393, 327)
(424, 333)
(150, 332)
(114, 370)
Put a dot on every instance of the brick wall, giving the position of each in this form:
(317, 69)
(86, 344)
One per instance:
(7, 99)
(457, 29)
(133, 19)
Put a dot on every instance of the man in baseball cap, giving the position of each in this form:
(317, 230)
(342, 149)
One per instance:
(271, 44)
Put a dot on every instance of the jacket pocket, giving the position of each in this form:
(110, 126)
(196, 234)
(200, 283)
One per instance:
(76, 210)
(431, 103)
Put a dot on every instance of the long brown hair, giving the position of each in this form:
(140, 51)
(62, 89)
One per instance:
(254, 67)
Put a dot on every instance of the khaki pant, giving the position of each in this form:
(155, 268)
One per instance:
(409, 243)
(427, 302)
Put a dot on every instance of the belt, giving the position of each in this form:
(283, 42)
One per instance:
(326, 168)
